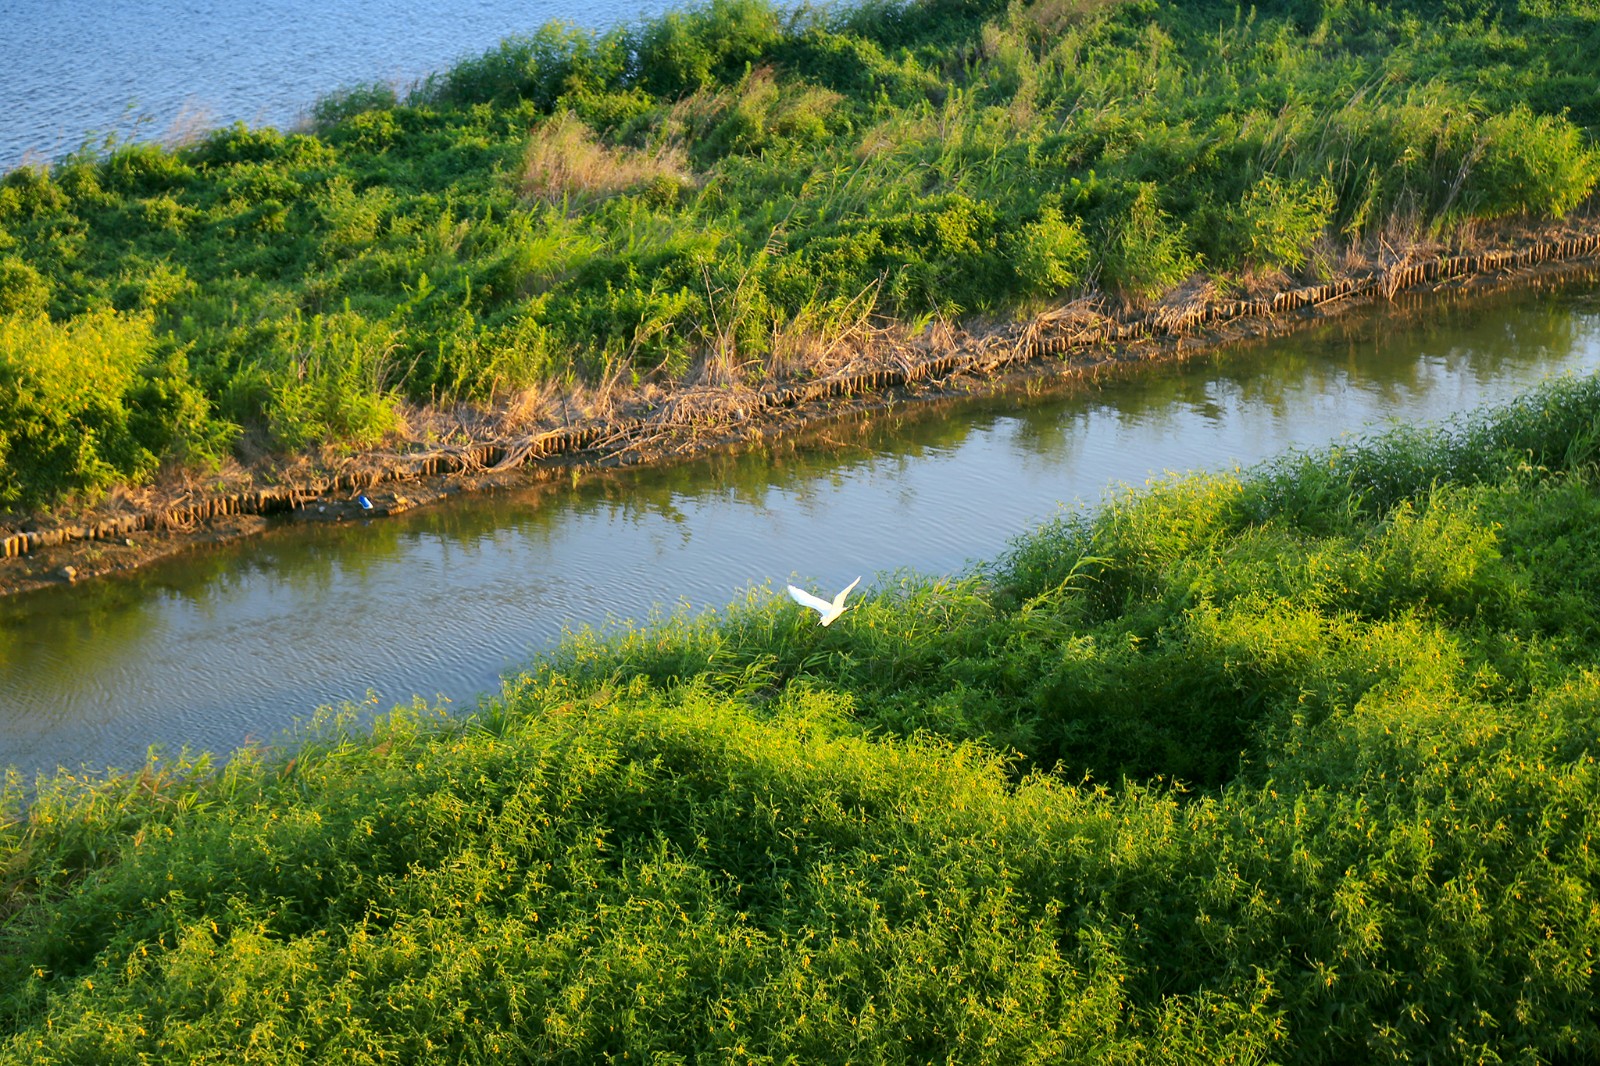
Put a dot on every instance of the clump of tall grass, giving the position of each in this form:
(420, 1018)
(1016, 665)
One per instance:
(567, 166)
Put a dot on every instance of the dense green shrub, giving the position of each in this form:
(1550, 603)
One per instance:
(1276, 222)
(1050, 255)
(1534, 165)
(555, 60)
(28, 192)
(240, 144)
(1147, 250)
(90, 404)
(144, 169)
(683, 51)
(23, 291)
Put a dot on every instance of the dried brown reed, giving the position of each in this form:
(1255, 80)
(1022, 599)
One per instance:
(530, 407)
(191, 124)
(1179, 309)
(1054, 16)
(566, 164)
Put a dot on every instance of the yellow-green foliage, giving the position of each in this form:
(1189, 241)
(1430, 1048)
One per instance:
(73, 368)
(23, 290)
(82, 404)
(1532, 164)
(1294, 766)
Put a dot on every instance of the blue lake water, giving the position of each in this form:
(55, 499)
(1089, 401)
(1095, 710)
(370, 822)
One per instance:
(75, 71)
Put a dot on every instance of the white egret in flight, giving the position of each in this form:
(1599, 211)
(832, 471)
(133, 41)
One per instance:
(829, 611)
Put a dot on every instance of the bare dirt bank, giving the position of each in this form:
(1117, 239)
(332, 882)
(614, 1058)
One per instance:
(1084, 338)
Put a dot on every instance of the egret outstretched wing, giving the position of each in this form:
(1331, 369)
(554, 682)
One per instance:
(805, 599)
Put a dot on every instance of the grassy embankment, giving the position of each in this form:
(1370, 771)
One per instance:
(714, 194)
(1323, 739)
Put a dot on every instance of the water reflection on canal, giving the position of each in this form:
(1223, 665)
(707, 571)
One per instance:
(229, 644)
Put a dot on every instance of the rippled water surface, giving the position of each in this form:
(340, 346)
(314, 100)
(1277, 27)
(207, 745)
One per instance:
(74, 71)
(229, 644)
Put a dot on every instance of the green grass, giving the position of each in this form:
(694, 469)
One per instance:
(1291, 765)
(720, 184)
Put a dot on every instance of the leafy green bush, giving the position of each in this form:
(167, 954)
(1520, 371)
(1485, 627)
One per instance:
(1276, 222)
(144, 169)
(683, 51)
(240, 144)
(28, 192)
(92, 403)
(1533, 165)
(1147, 252)
(555, 60)
(1050, 255)
(23, 290)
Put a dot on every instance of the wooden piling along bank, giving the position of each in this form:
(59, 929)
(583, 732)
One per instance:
(1045, 337)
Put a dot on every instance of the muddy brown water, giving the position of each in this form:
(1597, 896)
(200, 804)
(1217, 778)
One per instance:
(231, 645)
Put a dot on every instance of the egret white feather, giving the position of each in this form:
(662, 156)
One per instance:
(828, 611)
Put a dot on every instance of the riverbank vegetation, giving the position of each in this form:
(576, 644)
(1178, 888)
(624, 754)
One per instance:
(1296, 764)
(707, 196)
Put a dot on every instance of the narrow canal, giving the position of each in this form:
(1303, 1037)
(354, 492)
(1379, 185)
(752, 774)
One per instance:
(229, 645)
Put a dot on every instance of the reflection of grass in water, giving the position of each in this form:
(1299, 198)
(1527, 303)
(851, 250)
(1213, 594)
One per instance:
(1327, 745)
(1388, 347)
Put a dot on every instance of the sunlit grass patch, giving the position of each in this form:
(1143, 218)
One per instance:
(568, 166)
